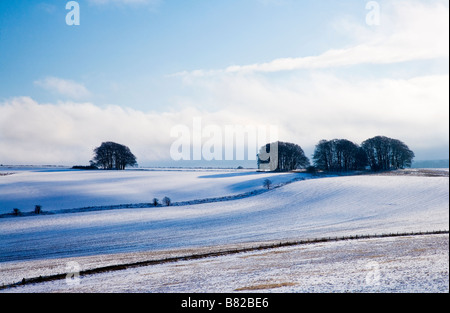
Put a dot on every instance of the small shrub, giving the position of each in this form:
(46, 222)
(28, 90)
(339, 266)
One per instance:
(155, 202)
(267, 183)
(166, 201)
(37, 209)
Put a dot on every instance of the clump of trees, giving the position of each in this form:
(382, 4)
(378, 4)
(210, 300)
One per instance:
(385, 153)
(281, 157)
(113, 156)
(337, 155)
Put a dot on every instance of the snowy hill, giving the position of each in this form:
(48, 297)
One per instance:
(312, 208)
(61, 189)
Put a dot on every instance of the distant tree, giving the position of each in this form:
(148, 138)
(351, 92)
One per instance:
(323, 155)
(166, 201)
(155, 202)
(113, 156)
(401, 156)
(339, 155)
(16, 212)
(37, 209)
(267, 183)
(385, 153)
(281, 156)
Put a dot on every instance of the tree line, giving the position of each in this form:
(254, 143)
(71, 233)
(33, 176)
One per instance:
(380, 153)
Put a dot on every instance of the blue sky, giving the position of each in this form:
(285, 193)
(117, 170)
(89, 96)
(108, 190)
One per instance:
(137, 45)
(134, 69)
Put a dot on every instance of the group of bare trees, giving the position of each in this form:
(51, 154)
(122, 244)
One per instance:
(281, 156)
(379, 153)
(385, 153)
(113, 156)
(337, 155)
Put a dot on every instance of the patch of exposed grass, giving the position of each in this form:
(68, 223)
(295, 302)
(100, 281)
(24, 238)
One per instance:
(266, 286)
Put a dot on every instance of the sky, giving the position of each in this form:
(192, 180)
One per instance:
(166, 76)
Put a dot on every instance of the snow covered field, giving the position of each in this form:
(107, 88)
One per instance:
(405, 264)
(58, 188)
(311, 208)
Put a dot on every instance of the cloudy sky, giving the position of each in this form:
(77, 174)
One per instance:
(133, 70)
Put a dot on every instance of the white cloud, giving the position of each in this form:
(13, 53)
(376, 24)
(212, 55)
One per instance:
(305, 110)
(323, 106)
(409, 31)
(64, 87)
(67, 132)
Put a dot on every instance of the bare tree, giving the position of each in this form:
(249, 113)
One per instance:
(267, 183)
(166, 201)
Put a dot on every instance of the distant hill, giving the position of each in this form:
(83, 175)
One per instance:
(430, 164)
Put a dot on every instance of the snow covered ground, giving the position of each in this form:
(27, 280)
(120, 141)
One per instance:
(58, 188)
(404, 264)
(311, 208)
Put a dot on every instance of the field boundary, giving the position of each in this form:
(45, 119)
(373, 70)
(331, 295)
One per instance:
(218, 253)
